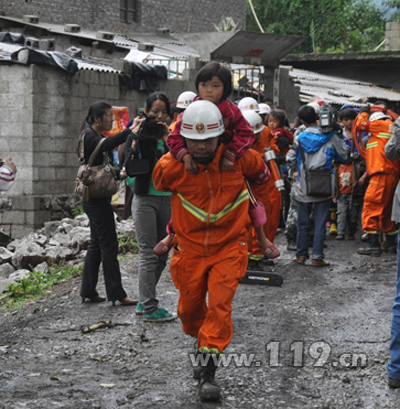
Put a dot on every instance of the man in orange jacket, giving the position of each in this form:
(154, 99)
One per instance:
(384, 175)
(211, 222)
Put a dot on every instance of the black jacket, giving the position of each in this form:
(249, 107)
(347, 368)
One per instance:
(92, 139)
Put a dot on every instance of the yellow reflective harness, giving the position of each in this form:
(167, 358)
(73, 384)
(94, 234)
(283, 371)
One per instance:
(202, 215)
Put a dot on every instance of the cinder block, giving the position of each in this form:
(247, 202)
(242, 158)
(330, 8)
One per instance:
(392, 25)
(20, 115)
(72, 160)
(18, 231)
(64, 144)
(27, 188)
(14, 101)
(17, 129)
(44, 159)
(81, 90)
(97, 91)
(41, 130)
(4, 87)
(13, 217)
(37, 217)
(25, 202)
(44, 144)
(46, 174)
(66, 174)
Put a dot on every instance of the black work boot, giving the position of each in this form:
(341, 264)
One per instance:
(208, 389)
(390, 245)
(373, 248)
(197, 368)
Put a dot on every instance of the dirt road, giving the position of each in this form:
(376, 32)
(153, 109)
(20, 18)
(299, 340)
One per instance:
(319, 341)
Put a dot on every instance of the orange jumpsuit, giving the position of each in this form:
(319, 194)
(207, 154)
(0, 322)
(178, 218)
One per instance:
(384, 175)
(275, 197)
(211, 222)
(263, 193)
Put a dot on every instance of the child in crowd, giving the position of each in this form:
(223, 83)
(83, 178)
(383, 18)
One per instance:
(184, 100)
(214, 83)
(350, 181)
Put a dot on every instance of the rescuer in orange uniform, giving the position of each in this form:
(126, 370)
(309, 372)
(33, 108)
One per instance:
(260, 253)
(384, 175)
(211, 223)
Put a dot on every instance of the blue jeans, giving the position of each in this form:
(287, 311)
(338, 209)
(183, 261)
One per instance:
(393, 366)
(321, 213)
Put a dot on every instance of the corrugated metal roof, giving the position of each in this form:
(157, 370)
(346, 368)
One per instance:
(242, 47)
(90, 66)
(166, 46)
(336, 90)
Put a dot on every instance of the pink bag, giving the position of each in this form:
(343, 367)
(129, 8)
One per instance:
(256, 209)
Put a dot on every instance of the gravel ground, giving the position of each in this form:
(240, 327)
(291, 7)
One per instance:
(319, 341)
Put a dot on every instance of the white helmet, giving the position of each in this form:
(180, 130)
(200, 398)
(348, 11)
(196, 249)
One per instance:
(202, 120)
(185, 99)
(254, 120)
(264, 109)
(248, 104)
(378, 115)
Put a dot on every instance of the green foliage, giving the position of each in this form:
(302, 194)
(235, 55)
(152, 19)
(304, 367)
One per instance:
(78, 211)
(328, 25)
(226, 24)
(127, 245)
(393, 4)
(36, 283)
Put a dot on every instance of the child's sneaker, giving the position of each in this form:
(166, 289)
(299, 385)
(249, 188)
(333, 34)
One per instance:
(139, 309)
(160, 315)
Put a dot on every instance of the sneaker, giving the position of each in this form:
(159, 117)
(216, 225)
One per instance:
(160, 315)
(352, 237)
(300, 260)
(340, 237)
(139, 309)
(320, 263)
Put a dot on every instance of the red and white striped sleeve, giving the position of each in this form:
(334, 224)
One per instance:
(7, 178)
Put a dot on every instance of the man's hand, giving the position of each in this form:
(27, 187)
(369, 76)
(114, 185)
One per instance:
(8, 162)
(226, 164)
(190, 164)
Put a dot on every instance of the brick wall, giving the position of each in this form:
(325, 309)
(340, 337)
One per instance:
(179, 15)
(42, 111)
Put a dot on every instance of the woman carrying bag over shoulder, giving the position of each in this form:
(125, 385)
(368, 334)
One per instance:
(103, 246)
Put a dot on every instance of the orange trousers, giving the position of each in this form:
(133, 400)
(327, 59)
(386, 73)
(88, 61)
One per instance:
(378, 199)
(219, 276)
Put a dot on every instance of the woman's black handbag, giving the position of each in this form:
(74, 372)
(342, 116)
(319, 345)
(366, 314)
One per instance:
(136, 167)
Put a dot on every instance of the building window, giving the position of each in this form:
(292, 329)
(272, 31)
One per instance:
(128, 11)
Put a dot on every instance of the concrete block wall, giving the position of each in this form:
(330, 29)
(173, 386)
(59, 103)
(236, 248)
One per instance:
(42, 112)
(392, 36)
(194, 15)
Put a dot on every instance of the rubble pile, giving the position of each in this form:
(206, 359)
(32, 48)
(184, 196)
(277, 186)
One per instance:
(57, 241)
